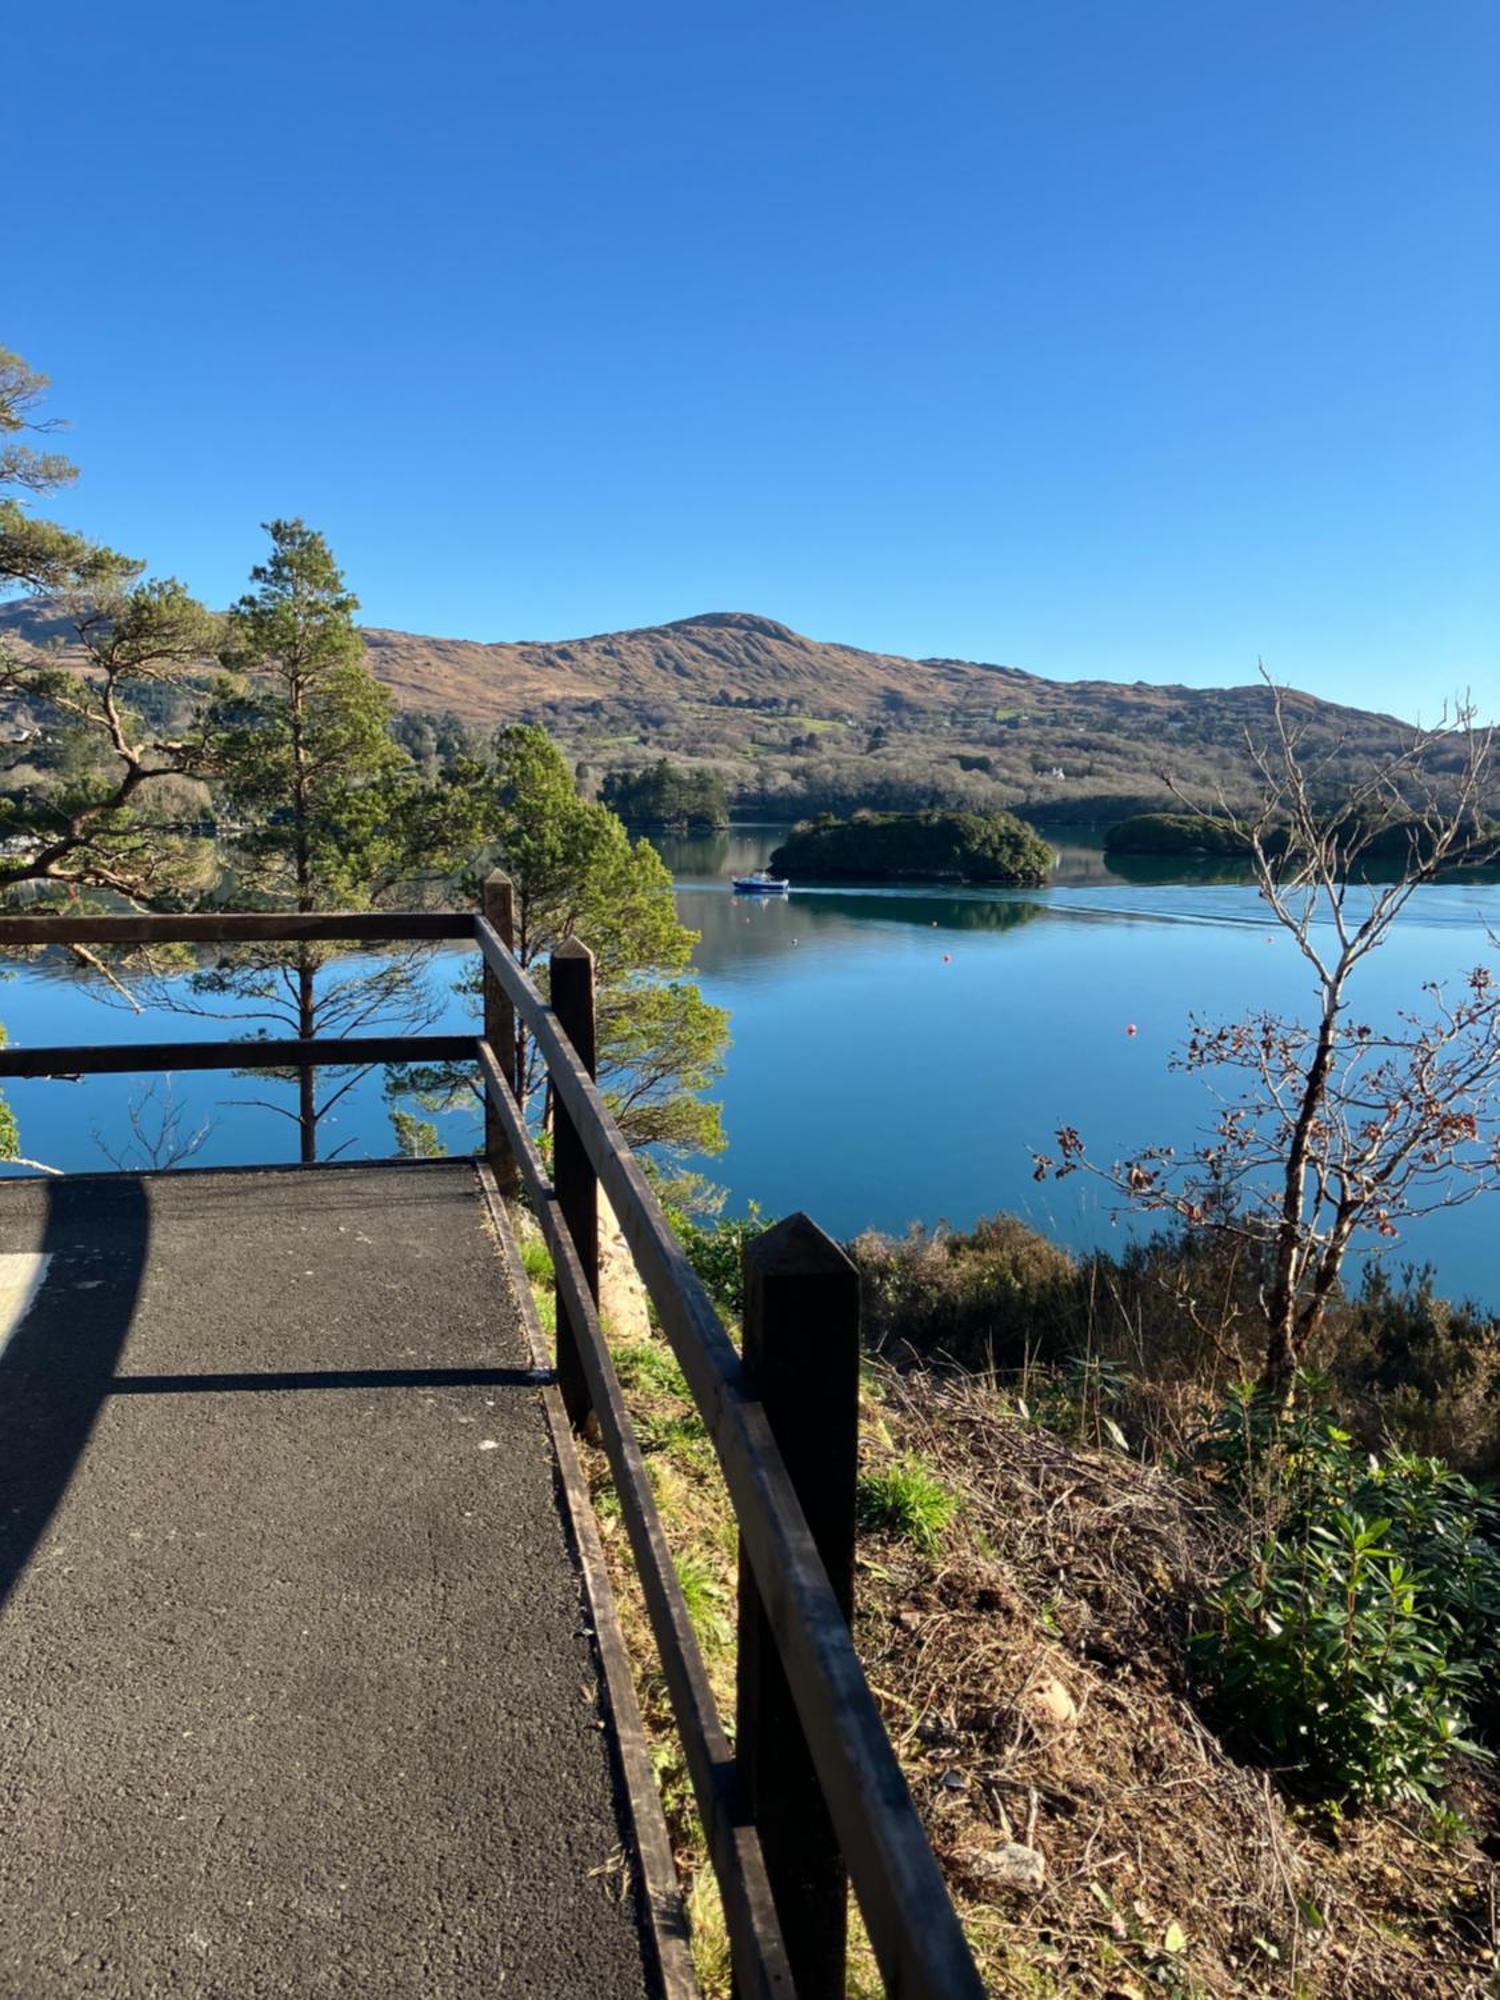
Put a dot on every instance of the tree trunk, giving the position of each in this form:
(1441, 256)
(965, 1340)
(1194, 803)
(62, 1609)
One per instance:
(307, 1104)
(307, 1016)
(1283, 1350)
(1278, 1375)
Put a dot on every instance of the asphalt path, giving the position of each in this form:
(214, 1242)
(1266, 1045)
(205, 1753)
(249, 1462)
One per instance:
(297, 1691)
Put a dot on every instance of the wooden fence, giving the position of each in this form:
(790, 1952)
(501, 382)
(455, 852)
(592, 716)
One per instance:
(811, 1797)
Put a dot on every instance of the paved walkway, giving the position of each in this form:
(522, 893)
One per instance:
(296, 1690)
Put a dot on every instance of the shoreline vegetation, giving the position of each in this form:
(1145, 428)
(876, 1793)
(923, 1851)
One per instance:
(665, 796)
(993, 848)
(1204, 835)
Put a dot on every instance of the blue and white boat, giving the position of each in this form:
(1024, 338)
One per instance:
(761, 884)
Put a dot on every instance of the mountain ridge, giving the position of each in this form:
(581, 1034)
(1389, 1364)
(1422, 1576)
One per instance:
(793, 723)
(397, 655)
(612, 650)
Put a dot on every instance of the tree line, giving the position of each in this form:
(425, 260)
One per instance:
(668, 795)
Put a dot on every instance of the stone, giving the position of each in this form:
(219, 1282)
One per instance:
(622, 1296)
(1050, 1706)
(1012, 1866)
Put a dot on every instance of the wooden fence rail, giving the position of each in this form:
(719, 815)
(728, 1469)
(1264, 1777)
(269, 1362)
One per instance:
(242, 927)
(815, 1788)
(917, 1939)
(268, 1052)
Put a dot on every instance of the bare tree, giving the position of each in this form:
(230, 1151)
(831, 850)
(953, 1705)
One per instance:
(159, 1134)
(1330, 1126)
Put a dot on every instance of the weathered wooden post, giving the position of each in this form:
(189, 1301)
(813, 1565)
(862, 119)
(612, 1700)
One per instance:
(572, 1172)
(801, 1362)
(499, 907)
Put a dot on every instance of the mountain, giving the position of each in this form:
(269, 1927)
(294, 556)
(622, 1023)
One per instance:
(794, 722)
(724, 656)
(718, 656)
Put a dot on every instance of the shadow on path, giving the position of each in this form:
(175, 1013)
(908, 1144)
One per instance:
(334, 1378)
(59, 1364)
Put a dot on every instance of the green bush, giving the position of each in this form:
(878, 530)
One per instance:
(1323, 1657)
(907, 1503)
(1355, 1644)
(716, 1252)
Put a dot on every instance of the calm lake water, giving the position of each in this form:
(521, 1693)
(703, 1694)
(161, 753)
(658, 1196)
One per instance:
(896, 1052)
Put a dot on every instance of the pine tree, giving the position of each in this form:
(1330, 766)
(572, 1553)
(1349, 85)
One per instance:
(325, 806)
(105, 776)
(577, 873)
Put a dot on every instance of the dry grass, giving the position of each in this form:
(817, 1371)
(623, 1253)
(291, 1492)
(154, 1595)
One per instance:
(1169, 1867)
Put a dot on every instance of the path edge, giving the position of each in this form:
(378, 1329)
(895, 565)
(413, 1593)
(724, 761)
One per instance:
(662, 1906)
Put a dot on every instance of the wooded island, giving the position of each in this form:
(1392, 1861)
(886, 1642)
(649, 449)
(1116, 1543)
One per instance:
(916, 847)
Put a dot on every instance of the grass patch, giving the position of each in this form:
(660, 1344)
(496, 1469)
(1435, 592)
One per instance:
(678, 1434)
(704, 1594)
(908, 1504)
(536, 1261)
(649, 1364)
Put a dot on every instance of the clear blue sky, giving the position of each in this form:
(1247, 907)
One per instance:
(1100, 337)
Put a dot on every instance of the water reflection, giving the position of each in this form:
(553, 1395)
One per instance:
(735, 931)
(1160, 871)
(689, 855)
(1081, 862)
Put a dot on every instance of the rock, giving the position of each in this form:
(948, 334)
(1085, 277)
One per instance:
(1049, 1705)
(955, 1781)
(622, 1296)
(1010, 1867)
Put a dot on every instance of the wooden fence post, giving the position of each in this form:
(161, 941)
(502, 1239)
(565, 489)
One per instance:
(572, 1173)
(801, 1362)
(499, 907)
